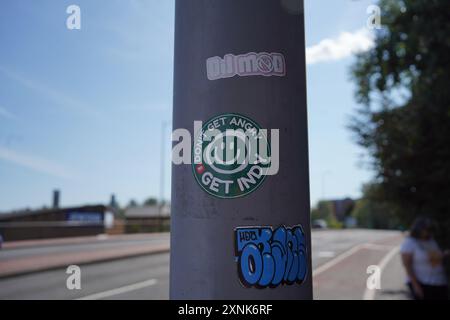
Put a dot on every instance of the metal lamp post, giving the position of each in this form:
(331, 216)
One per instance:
(236, 232)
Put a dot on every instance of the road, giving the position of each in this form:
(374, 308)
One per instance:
(86, 246)
(96, 278)
(340, 259)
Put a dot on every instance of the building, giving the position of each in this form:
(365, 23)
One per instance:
(336, 212)
(147, 219)
(56, 222)
(342, 208)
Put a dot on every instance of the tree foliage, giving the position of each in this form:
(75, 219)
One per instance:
(324, 211)
(374, 213)
(151, 202)
(403, 85)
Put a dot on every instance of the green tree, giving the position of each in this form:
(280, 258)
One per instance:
(150, 202)
(132, 204)
(373, 212)
(403, 85)
(324, 211)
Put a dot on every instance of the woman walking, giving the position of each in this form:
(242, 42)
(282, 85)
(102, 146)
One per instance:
(423, 262)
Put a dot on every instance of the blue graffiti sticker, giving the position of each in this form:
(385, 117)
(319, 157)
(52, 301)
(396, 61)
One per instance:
(268, 258)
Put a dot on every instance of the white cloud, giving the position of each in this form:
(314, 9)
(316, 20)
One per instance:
(6, 114)
(346, 44)
(35, 163)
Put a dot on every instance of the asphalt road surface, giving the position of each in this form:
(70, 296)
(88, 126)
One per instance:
(147, 277)
(91, 246)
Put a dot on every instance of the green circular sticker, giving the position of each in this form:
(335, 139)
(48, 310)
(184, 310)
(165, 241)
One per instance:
(231, 156)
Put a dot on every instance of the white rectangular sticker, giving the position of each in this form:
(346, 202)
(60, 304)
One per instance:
(249, 64)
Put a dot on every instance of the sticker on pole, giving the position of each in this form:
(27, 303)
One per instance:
(268, 257)
(243, 65)
(231, 156)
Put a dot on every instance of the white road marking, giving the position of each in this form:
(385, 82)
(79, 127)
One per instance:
(370, 294)
(113, 292)
(379, 247)
(339, 258)
(326, 254)
(346, 254)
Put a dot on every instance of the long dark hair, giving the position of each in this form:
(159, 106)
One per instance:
(420, 224)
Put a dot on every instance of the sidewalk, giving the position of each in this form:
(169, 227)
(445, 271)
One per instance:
(60, 253)
(393, 285)
(345, 277)
(79, 240)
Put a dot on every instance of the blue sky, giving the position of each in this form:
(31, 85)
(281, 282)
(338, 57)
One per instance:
(82, 110)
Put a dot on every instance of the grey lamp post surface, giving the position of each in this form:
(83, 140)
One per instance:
(237, 233)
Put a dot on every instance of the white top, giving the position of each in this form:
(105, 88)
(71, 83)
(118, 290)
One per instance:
(425, 272)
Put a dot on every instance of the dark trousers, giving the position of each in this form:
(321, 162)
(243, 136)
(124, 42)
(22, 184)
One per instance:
(430, 292)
